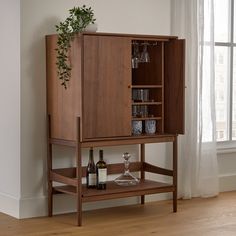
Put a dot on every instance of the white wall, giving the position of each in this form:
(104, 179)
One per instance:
(10, 107)
(227, 170)
(37, 20)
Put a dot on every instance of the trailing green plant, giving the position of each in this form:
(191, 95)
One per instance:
(77, 21)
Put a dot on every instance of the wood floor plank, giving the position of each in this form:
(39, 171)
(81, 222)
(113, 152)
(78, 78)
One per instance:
(197, 217)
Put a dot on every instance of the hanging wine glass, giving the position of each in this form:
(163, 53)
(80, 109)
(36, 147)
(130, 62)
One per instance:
(126, 179)
(145, 55)
(135, 56)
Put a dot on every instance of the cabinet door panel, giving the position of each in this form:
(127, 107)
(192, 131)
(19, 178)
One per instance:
(107, 94)
(174, 86)
(63, 105)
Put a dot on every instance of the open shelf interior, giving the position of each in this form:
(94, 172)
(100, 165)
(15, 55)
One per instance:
(67, 177)
(148, 78)
(149, 73)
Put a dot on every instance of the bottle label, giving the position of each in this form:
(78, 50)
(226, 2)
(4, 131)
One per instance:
(102, 175)
(92, 179)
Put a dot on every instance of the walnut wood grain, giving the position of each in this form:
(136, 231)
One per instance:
(49, 167)
(65, 189)
(146, 86)
(147, 118)
(157, 170)
(160, 137)
(106, 96)
(134, 36)
(174, 86)
(62, 179)
(115, 191)
(175, 175)
(62, 142)
(115, 168)
(78, 151)
(142, 159)
(156, 138)
(161, 124)
(63, 105)
(69, 172)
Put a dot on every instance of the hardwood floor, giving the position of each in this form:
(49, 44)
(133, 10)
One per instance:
(203, 217)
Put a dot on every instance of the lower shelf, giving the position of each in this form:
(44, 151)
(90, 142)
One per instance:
(113, 190)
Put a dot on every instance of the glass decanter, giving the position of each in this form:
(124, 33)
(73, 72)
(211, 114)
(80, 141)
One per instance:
(126, 179)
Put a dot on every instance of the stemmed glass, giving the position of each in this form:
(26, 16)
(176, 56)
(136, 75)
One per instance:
(135, 56)
(145, 55)
(126, 179)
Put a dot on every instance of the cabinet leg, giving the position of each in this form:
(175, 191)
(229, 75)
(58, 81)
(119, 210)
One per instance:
(50, 198)
(79, 210)
(49, 168)
(175, 201)
(79, 175)
(143, 199)
(142, 152)
(175, 167)
(79, 204)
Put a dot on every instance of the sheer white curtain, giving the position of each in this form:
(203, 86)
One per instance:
(198, 169)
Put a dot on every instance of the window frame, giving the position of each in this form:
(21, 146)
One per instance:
(229, 145)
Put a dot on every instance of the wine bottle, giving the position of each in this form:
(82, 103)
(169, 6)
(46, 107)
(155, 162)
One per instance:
(101, 172)
(91, 171)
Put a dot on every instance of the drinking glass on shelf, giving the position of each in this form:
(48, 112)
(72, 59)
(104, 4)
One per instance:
(137, 127)
(140, 95)
(139, 111)
(136, 111)
(134, 94)
(144, 110)
(150, 126)
(145, 97)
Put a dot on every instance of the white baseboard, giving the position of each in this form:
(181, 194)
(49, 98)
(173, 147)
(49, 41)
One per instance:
(62, 203)
(9, 205)
(35, 207)
(227, 182)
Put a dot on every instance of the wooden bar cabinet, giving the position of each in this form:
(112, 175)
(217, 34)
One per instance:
(96, 109)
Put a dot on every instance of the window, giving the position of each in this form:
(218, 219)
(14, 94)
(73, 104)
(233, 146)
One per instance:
(220, 135)
(225, 69)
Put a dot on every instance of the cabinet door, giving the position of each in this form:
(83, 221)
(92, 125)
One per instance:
(174, 54)
(106, 86)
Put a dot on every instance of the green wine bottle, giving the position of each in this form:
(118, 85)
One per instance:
(101, 172)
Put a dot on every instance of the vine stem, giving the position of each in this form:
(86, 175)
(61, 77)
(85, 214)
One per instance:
(78, 19)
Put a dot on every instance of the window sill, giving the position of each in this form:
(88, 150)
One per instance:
(226, 147)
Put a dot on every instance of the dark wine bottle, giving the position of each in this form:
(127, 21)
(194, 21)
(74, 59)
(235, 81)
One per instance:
(101, 172)
(91, 171)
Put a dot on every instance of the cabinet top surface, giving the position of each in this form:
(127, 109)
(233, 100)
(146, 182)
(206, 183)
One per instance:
(134, 36)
